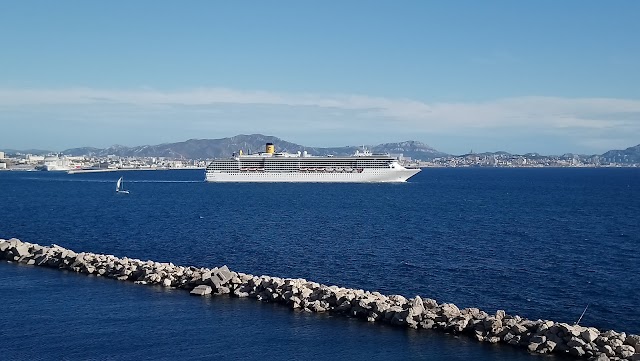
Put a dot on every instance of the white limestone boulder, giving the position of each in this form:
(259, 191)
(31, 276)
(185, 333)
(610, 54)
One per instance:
(201, 290)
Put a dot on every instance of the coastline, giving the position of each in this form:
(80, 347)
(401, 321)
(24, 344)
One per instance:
(103, 170)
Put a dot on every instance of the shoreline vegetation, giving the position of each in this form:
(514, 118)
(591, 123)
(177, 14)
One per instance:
(534, 336)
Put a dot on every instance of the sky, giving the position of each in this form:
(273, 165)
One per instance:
(540, 76)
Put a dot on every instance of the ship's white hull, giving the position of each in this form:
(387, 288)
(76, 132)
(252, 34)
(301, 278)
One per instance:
(56, 168)
(366, 176)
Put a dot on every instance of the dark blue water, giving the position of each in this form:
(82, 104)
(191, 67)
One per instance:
(541, 243)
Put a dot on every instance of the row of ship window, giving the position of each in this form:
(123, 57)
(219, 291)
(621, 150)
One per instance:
(289, 173)
(293, 170)
(295, 167)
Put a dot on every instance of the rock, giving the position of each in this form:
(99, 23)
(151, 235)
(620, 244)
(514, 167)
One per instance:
(607, 350)
(548, 346)
(380, 306)
(459, 324)
(492, 339)
(614, 342)
(560, 342)
(449, 311)
(205, 276)
(600, 357)
(569, 330)
(317, 306)
(429, 303)
(4, 245)
(222, 290)
(538, 339)
(166, 282)
(633, 340)
(508, 337)
(201, 290)
(576, 351)
(515, 340)
(427, 324)
(305, 292)
(417, 306)
(21, 250)
(625, 351)
(509, 322)
(400, 318)
(241, 294)
(222, 275)
(518, 329)
(492, 325)
(398, 299)
(590, 334)
(575, 341)
(545, 325)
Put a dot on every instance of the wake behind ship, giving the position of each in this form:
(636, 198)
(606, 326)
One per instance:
(270, 166)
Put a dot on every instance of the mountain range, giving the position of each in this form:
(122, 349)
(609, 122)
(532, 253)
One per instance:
(629, 155)
(224, 147)
(219, 148)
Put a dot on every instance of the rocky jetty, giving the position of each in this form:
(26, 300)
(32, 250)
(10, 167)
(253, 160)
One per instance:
(539, 336)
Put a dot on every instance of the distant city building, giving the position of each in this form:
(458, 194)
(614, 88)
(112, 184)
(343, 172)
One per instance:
(1, 155)
(34, 159)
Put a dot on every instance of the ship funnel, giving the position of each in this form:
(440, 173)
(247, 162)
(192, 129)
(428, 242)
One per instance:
(240, 151)
(270, 148)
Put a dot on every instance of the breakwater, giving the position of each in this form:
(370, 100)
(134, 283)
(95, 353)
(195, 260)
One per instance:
(536, 336)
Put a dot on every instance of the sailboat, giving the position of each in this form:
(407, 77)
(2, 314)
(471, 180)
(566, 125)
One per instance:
(119, 187)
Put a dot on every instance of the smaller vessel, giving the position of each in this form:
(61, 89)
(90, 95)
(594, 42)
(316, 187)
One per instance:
(120, 187)
(55, 163)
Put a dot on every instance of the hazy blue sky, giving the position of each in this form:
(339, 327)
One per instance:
(521, 76)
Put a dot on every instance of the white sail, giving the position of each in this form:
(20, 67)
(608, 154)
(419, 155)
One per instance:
(119, 187)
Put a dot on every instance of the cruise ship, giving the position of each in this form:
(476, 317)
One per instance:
(270, 166)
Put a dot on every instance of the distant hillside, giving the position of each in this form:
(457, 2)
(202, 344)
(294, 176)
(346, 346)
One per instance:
(411, 148)
(26, 151)
(629, 155)
(224, 147)
(218, 148)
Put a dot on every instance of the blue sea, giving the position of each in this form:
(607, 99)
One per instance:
(540, 243)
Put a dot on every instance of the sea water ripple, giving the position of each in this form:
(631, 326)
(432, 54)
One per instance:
(541, 243)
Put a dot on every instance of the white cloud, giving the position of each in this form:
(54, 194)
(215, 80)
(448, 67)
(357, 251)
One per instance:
(236, 111)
